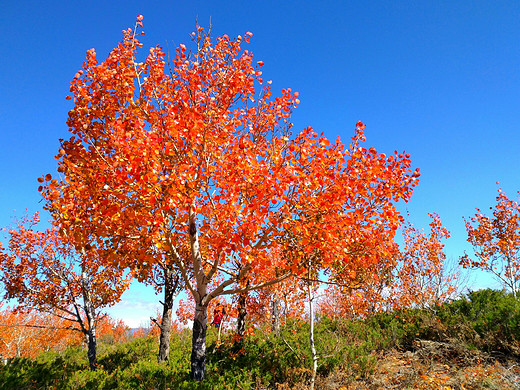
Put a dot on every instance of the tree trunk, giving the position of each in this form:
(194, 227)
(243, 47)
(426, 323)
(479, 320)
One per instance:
(198, 349)
(200, 320)
(242, 313)
(166, 322)
(275, 314)
(314, 355)
(92, 347)
(90, 313)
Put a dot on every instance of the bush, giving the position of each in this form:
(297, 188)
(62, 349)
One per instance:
(489, 319)
(48, 370)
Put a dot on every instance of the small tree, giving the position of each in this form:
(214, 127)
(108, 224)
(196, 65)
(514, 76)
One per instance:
(422, 279)
(496, 242)
(112, 331)
(43, 271)
(29, 333)
(419, 279)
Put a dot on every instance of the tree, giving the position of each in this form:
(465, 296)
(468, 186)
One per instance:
(27, 334)
(112, 331)
(164, 278)
(415, 276)
(422, 279)
(367, 242)
(496, 242)
(198, 168)
(44, 271)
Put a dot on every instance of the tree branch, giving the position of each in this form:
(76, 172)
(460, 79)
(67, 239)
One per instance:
(43, 327)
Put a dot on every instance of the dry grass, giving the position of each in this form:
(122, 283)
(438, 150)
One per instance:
(432, 366)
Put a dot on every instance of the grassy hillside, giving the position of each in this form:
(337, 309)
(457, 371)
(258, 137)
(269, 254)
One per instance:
(471, 343)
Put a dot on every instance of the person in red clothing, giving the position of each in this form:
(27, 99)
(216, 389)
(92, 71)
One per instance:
(218, 315)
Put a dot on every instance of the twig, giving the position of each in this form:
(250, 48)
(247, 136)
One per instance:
(42, 327)
(156, 323)
(291, 348)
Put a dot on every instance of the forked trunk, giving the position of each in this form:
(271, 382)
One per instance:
(198, 349)
(166, 322)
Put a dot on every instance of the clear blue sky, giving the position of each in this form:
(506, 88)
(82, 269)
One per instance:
(439, 79)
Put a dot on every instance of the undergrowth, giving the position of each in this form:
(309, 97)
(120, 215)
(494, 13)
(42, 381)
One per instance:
(460, 335)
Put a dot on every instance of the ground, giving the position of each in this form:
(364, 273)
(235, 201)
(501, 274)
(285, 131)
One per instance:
(434, 365)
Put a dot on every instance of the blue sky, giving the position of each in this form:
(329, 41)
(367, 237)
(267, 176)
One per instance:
(438, 79)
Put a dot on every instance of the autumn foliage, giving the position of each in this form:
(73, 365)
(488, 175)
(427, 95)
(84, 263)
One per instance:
(423, 279)
(198, 168)
(25, 334)
(29, 333)
(188, 175)
(47, 271)
(415, 276)
(496, 242)
(112, 331)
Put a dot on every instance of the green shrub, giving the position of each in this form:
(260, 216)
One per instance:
(489, 319)
(122, 356)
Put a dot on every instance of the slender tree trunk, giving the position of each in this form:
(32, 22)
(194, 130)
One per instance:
(198, 349)
(311, 332)
(90, 312)
(242, 313)
(512, 278)
(166, 322)
(275, 314)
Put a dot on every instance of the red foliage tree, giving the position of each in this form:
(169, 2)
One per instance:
(496, 242)
(198, 170)
(415, 276)
(112, 331)
(27, 334)
(422, 278)
(45, 271)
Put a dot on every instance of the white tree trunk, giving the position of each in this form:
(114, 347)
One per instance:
(311, 331)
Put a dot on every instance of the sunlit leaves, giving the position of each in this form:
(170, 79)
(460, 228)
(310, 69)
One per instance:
(27, 334)
(192, 165)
